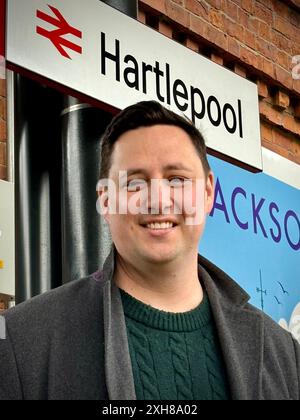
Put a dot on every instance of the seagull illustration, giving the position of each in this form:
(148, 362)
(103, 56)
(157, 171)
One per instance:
(279, 303)
(283, 289)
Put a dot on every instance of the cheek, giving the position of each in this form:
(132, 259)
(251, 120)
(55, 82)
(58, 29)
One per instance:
(192, 235)
(121, 223)
(190, 200)
(194, 230)
(115, 224)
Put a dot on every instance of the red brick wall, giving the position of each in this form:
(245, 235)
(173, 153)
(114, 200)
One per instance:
(3, 130)
(255, 38)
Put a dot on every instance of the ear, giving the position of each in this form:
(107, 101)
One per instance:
(209, 192)
(102, 202)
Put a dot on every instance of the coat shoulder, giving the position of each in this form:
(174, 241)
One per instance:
(52, 342)
(61, 303)
(272, 328)
(278, 342)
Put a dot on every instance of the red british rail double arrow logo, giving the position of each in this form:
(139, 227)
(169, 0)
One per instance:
(56, 36)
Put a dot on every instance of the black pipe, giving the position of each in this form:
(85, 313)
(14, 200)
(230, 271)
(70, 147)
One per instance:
(85, 239)
(37, 181)
(129, 7)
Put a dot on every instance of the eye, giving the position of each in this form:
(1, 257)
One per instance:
(177, 181)
(135, 185)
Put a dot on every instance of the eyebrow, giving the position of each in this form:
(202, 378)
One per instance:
(169, 167)
(175, 166)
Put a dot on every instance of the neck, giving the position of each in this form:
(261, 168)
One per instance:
(173, 287)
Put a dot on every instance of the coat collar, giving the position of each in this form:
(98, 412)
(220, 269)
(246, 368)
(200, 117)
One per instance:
(240, 331)
(225, 287)
(118, 367)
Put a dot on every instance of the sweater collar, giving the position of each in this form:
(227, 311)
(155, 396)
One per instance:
(188, 321)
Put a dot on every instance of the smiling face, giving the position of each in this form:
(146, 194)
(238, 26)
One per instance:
(164, 153)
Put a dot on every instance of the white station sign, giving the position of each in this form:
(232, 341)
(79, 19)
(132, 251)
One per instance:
(98, 51)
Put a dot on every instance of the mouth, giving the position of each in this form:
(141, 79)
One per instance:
(159, 228)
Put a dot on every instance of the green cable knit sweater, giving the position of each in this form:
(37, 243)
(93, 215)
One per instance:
(175, 356)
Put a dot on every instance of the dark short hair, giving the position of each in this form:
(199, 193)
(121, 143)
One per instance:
(147, 114)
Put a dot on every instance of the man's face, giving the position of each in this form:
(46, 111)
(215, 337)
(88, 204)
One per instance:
(167, 155)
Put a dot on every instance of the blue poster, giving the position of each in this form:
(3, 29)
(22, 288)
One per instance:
(253, 234)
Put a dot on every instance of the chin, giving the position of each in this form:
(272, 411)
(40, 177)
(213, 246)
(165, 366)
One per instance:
(160, 256)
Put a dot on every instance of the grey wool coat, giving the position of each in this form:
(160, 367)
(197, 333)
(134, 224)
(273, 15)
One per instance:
(71, 343)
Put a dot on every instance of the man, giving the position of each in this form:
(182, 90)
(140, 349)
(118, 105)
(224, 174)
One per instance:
(159, 321)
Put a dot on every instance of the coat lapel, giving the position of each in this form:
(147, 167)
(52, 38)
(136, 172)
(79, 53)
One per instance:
(240, 332)
(118, 368)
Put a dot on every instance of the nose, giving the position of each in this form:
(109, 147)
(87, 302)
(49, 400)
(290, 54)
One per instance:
(159, 198)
